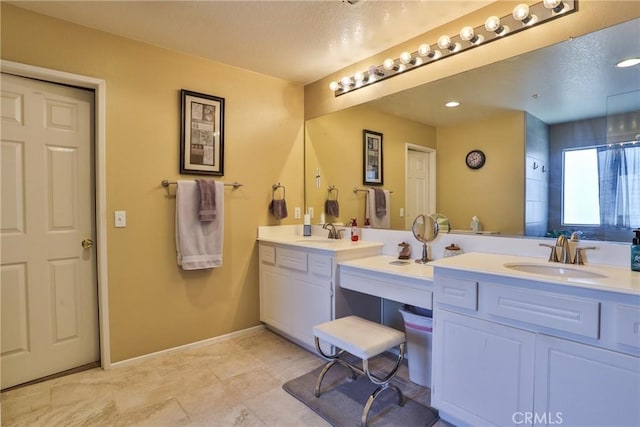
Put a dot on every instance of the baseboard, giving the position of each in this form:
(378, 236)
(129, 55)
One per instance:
(184, 347)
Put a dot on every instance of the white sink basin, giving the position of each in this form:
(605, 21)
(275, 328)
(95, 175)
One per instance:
(555, 270)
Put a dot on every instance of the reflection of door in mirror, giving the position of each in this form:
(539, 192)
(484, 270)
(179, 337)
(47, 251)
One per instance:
(420, 182)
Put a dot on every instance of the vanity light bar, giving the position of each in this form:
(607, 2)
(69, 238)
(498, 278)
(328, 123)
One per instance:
(524, 16)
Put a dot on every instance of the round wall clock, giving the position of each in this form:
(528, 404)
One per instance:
(475, 159)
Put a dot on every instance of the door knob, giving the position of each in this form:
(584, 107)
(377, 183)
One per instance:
(87, 243)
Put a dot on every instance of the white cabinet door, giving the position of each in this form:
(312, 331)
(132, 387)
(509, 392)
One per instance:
(311, 305)
(275, 298)
(483, 371)
(581, 385)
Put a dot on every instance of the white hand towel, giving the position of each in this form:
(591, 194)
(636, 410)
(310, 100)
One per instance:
(198, 244)
(376, 221)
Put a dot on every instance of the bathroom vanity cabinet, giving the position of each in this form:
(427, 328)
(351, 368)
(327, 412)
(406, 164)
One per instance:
(297, 285)
(513, 351)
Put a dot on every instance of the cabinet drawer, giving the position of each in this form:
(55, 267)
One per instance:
(564, 313)
(628, 325)
(293, 260)
(267, 254)
(320, 265)
(457, 292)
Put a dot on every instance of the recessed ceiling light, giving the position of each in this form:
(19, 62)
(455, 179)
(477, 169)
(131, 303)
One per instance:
(452, 104)
(629, 62)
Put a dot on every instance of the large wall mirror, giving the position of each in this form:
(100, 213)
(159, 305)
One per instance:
(559, 128)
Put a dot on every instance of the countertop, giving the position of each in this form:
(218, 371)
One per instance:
(383, 264)
(617, 279)
(315, 242)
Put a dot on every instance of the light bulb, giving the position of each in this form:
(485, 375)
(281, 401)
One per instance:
(521, 13)
(556, 5)
(334, 86)
(346, 81)
(467, 34)
(358, 76)
(406, 58)
(388, 64)
(444, 42)
(424, 50)
(493, 24)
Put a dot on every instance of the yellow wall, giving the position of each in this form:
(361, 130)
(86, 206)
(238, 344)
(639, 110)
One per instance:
(335, 140)
(488, 192)
(153, 304)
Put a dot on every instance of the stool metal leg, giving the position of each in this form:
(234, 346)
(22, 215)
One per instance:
(372, 398)
(334, 359)
(383, 385)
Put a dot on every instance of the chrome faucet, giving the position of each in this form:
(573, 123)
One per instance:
(333, 232)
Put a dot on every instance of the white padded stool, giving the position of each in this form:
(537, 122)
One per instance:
(363, 339)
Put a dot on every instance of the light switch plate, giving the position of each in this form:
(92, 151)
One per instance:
(120, 219)
(296, 213)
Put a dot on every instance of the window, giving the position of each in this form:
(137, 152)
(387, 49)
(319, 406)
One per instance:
(581, 201)
(601, 186)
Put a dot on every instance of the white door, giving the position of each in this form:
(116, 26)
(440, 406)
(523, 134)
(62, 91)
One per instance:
(417, 198)
(48, 283)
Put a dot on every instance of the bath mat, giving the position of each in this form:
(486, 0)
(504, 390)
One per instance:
(343, 399)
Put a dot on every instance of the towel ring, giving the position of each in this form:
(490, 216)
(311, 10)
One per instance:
(331, 189)
(275, 187)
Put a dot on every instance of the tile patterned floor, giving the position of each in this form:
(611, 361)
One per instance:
(235, 382)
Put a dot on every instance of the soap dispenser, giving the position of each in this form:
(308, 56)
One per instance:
(635, 251)
(354, 230)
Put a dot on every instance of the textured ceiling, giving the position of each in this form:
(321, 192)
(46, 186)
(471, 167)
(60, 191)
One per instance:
(300, 41)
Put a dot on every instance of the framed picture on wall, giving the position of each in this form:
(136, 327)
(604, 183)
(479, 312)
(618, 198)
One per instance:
(372, 148)
(201, 134)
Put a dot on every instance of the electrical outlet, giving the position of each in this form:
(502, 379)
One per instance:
(310, 212)
(296, 213)
(120, 219)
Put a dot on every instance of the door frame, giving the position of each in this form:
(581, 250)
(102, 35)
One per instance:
(99, 88)
(431, 152)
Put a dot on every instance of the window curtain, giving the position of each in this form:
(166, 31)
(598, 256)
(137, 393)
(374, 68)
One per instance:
(619, 174)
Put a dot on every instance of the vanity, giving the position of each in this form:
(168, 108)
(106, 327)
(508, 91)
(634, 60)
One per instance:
(515, 344)
(517, 340)
(298, 277)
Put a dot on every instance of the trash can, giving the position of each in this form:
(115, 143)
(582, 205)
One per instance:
(418, 325)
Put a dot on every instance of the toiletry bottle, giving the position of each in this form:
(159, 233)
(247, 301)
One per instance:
(635, 251)
(354, 230)
(306, 227)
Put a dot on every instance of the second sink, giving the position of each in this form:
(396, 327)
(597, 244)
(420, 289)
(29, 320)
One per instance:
(554, 270)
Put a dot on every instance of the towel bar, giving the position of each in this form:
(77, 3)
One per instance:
(357, 190)
(165, 183)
